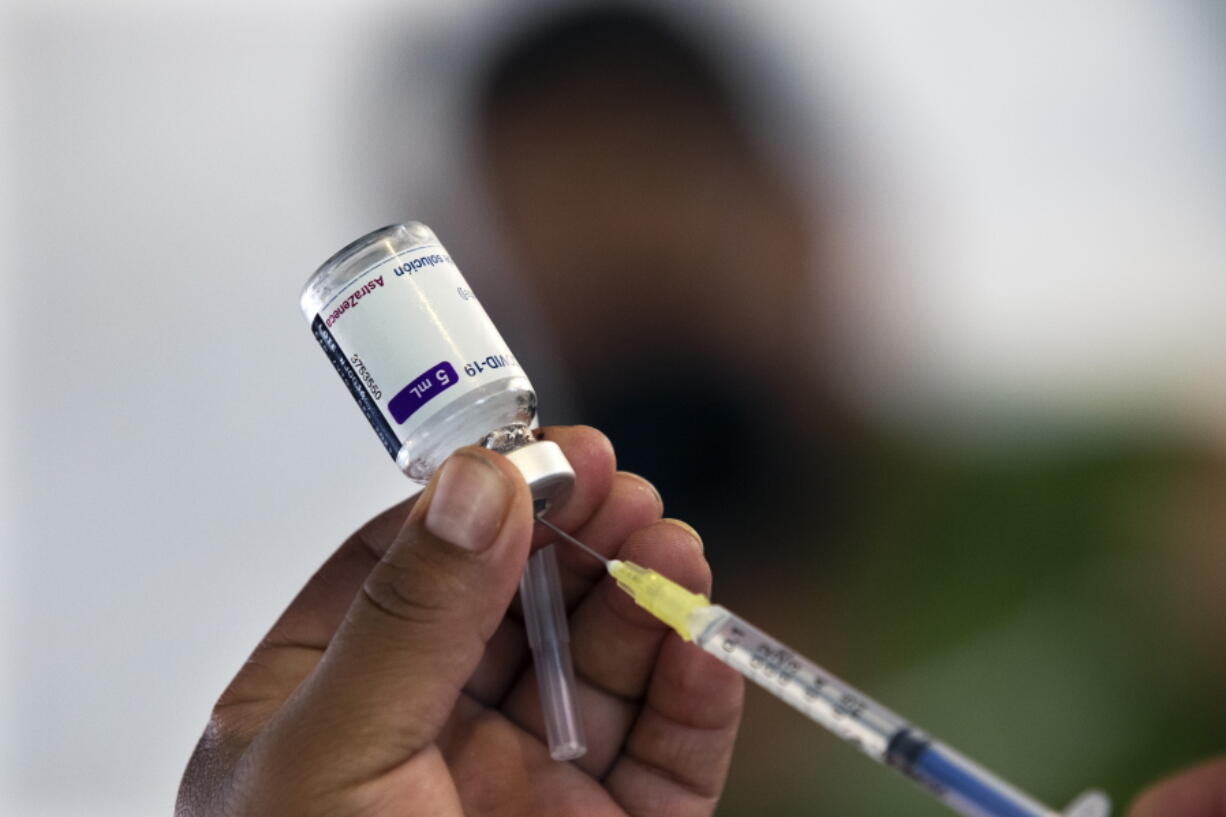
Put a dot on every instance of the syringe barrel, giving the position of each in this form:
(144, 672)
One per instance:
(799, 682)
(957, 781)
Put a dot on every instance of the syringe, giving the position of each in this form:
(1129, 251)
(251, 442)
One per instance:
(958, 782)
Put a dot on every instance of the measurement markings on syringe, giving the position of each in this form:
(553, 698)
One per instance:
(792, 679)
(779, 663)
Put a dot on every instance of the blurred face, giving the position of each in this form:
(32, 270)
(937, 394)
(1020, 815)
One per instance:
(644, 223)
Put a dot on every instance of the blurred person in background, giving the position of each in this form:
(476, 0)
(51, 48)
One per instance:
(1056, 617)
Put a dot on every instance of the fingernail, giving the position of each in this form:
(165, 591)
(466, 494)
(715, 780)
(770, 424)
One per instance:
(688, 529)
(647, 484)
(469, 503)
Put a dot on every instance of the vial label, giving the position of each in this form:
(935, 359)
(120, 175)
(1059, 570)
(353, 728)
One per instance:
(408, 338)
(421, 389)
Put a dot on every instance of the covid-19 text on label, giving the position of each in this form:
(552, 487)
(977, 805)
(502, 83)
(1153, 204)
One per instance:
(474, 367)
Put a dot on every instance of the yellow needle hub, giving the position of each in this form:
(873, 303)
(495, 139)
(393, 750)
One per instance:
(663, 598)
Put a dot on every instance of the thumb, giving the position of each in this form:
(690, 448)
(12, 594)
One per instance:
(415, 633)
(1198, 792)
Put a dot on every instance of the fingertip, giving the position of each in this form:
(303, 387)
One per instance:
(471, 500)
(584, 442)
(1146, 803)
(516, 522)
(591, 456)
(689, 530)
(668, 549)
(576, 435)
(646, 486)
(590, 452)
(631, 504)
(674, 549)
(1199, 792)
(1163, 801)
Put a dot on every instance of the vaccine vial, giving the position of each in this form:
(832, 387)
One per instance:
(431, 373)
(417, 351)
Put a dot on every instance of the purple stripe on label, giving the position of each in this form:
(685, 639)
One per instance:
(423, 388)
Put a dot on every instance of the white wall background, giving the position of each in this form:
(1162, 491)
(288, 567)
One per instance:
(1043, 195)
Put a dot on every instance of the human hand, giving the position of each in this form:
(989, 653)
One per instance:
(1197, 792)
(397, 682)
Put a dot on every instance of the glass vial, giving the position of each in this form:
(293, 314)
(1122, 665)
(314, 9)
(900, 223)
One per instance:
(416, 349)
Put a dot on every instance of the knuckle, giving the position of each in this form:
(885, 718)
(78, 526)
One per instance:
(416, 590)
(235, 721)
